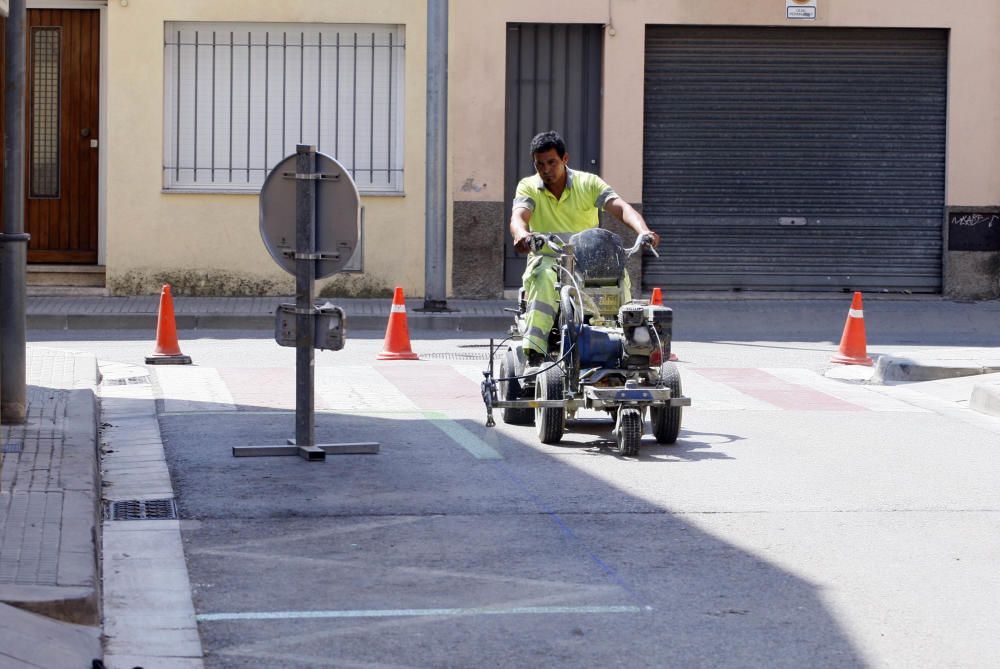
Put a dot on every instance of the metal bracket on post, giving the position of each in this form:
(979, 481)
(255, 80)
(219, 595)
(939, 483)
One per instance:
(297, 325)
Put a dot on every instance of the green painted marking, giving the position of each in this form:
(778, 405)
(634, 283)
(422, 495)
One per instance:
(470, 442)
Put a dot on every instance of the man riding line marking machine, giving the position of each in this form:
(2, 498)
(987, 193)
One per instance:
(558, 200)
(612, 350)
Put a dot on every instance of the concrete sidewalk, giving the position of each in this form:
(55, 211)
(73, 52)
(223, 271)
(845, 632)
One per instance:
(967, 375)
(49, 505)
(249, 313)
(890, 318)
(697, 316)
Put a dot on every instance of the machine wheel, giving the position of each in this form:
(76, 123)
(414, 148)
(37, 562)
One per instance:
(513, 390)
(550, 421)
(667, 420)
(629, 432)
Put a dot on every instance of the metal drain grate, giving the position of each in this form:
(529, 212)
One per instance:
(11, 447)
(140, 509)
(459, 355)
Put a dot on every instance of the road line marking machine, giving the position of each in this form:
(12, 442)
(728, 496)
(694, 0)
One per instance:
(606, 351)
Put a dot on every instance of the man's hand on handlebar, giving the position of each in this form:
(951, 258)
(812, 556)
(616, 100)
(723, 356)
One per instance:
(651, 238)
(523, 243)
(648, 239)
(533, 241)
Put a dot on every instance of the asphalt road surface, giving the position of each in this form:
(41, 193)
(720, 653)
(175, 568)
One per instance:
(798, 522)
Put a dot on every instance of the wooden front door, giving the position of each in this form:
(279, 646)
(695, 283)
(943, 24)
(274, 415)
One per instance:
(61, 142)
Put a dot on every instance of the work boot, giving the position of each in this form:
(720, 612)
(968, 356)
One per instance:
(535, 360)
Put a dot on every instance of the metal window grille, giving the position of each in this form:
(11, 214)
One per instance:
(43, 171)
(240, 96)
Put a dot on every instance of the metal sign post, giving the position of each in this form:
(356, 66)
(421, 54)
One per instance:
(305, 277)
(314, 243)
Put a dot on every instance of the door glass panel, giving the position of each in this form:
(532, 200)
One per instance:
(44, 157)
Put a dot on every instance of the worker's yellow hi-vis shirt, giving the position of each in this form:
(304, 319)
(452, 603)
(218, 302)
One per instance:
(574, 211)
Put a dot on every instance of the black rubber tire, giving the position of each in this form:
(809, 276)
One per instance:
(629, 432)
(550, 422)
(667, 420)
(513, 390)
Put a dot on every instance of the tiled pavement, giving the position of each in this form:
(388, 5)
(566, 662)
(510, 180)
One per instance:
(48, 516)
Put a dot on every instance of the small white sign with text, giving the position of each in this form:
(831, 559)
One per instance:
(800, 9)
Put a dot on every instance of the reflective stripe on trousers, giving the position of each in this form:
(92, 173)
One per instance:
(539, 282)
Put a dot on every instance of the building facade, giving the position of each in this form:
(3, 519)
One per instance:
(780, 145)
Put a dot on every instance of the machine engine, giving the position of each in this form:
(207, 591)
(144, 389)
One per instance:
(645, 329)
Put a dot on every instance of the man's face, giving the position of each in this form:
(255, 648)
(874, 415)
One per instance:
(550, 167)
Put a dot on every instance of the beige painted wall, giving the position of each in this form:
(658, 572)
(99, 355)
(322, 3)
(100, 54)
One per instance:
(151, 231)
(477, 78)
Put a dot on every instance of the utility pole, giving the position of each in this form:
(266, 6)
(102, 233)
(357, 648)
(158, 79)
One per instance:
(13, 240)
(436, 221)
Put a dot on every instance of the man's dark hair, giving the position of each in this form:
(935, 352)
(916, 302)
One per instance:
(550, 139)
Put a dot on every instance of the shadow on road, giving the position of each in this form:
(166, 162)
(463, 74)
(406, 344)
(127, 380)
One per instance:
(425, 556)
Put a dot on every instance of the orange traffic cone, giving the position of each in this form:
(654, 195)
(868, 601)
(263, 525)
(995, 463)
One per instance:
(657, 298)
(853, 349)
(397, 334)
(167, 351)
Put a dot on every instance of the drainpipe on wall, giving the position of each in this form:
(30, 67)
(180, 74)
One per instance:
(13, 240)
(436, 174)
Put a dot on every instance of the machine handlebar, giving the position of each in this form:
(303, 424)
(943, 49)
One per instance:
(642, 240)
(538, 241)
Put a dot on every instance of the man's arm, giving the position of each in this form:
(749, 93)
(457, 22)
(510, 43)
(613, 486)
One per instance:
(520, 228)
(627, 214)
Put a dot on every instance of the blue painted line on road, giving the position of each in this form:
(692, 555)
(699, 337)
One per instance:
(470, 442)
(568, 531)
(409, 613)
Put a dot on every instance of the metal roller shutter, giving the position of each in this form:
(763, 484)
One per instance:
(795, 158)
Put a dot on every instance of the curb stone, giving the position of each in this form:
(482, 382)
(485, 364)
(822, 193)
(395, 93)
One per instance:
(28, 639)
(985, 397)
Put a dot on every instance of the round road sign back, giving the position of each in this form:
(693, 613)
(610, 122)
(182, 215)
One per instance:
(338, 208)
